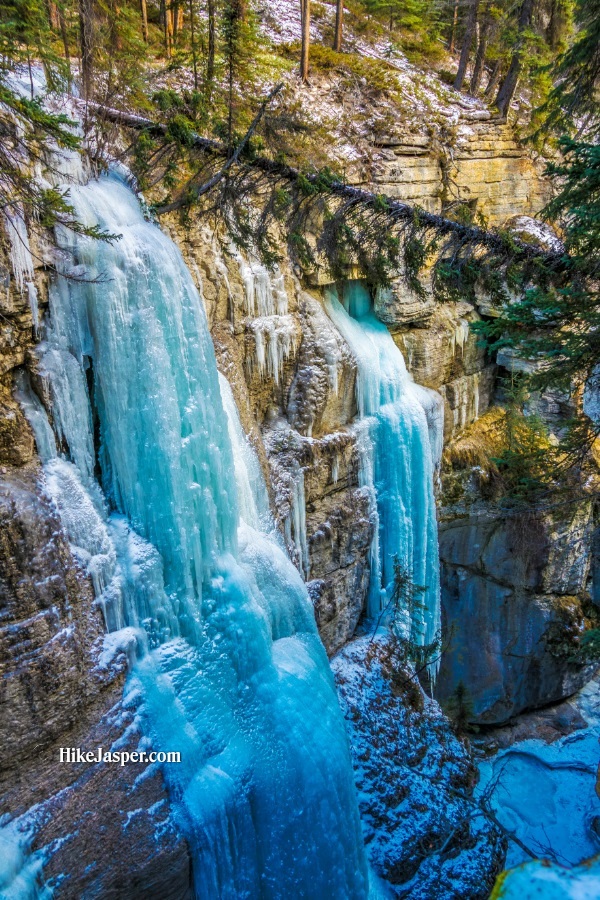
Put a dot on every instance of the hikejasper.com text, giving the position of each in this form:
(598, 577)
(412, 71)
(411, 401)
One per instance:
(121, 757)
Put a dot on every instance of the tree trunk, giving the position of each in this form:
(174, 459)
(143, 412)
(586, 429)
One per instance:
(168, 28)
(210, 59)
(509, 85)
(86, 32)
(465, 52)
(144, 9)
(305, 11)
(193, 40)
(494, 79)
(556, 26)
(481, 51)
(177, 18)
(115, 36)
(53, 15)
(339, 21)
(454, 24)
(65, 37)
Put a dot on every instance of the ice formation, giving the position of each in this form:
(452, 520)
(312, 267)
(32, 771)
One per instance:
(266, 306)
(231, 671)
(400, 437)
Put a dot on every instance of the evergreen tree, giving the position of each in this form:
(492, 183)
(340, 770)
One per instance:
(559, 319)
(459, 708)
(28, 132)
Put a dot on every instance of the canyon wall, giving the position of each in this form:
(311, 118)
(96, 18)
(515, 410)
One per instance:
(472, 160)
(293, 378)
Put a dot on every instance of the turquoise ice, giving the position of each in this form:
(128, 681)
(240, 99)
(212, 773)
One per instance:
(400, 433)
(142, 470)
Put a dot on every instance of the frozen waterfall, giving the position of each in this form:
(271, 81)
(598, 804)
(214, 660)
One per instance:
(142, 471)
(400, 438)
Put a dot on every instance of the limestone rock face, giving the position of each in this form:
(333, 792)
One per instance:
(450, 358)
(16, 338)
(512, 592)
(478, 163)
(49, 623)
(105, 830)
(398, 305)
(16, 440)
(321, 398)
(328, 523)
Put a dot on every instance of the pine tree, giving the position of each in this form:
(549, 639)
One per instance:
(459, 708)
(559, 320)
(29, 134)
(468, 39)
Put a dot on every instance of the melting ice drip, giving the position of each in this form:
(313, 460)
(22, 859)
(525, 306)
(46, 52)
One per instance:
(400, 439)
(234, 675)
(274, 330)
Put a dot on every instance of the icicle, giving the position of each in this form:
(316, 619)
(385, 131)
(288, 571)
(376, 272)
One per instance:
(298, 516)
(335, 468)
(21, 259)
(459, 337)
(275, 340)
(36, 416)
(20, 252)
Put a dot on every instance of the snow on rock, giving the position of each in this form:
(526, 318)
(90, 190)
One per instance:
(532, 231)
(424, 834)
(117, 646)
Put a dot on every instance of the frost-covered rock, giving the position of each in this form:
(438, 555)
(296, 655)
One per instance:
(532, 231)
(99, 830)
(424, 834)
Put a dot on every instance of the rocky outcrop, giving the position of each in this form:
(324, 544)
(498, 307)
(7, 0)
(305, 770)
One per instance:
(512, 610)
(514, 588)
(101, 830)
(423, 830)
(476, 163)
(449, 357)
(328, 523)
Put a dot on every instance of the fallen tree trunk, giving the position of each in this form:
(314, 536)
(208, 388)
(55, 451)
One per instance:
(396, 210)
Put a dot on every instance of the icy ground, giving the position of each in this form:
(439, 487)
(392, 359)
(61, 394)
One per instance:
(547, 792)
